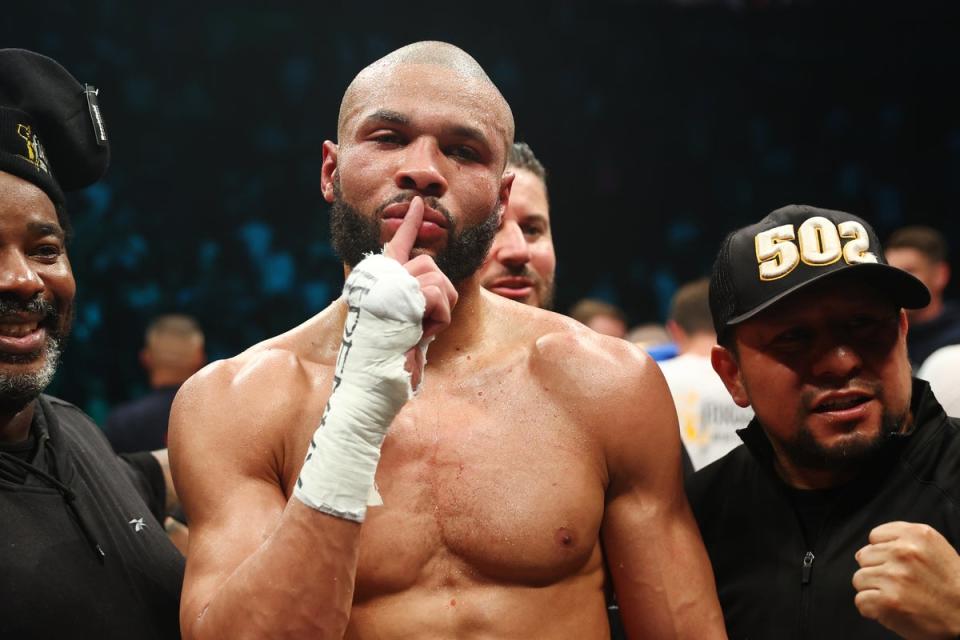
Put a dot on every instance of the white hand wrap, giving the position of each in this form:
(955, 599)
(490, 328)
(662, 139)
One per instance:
(384, 320)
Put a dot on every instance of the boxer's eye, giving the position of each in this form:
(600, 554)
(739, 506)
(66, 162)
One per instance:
(464, 152)
(388, 138)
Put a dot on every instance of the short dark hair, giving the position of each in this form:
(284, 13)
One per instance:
(690, 307)
(521, 156)
(728, 341)
(926, 240)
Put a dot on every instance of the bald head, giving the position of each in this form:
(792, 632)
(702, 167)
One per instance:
(466, 75)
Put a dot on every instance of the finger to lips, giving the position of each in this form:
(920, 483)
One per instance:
(403, 240)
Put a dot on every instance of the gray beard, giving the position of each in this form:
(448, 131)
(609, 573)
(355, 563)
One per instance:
(16, 391)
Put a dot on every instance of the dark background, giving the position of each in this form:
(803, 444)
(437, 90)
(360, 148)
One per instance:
(663, 125)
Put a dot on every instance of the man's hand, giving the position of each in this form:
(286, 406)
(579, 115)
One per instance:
(909, 581)
(438, 291)
(394, 305)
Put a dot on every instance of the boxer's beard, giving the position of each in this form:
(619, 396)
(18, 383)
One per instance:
(19, 389)
(355, 235)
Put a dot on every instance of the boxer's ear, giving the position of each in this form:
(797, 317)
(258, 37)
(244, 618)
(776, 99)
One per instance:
(725, 363)
(328, 171)
(506, 184)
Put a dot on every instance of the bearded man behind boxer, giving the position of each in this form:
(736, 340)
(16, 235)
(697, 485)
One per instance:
(518, 457)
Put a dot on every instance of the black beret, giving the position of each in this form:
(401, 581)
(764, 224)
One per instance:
(51, 129)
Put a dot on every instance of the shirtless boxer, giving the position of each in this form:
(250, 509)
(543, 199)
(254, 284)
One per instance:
(531, 441)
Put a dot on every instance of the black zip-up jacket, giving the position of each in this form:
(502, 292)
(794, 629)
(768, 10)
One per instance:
(81, 555)
(771, 582)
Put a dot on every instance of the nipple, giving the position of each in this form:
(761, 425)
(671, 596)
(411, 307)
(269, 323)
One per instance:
(564, 537)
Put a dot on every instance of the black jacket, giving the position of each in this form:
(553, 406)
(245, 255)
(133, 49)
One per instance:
(771, 582)
(78, 497)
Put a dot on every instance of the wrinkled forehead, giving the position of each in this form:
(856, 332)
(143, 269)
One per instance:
(428, 95)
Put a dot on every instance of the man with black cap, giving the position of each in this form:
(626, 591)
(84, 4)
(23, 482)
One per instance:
(838, 517)
(82, 555)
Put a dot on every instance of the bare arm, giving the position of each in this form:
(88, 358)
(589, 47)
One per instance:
(660, 569)
(259, 566)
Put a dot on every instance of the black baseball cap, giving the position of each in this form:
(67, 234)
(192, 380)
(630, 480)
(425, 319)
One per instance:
(51, 129)
(793, 248)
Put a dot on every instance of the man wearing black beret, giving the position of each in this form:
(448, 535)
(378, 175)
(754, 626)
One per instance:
(81, 554)
(839, 516)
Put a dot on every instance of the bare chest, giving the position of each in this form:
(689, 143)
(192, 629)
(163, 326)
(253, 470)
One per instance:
(484, 478)
(481, 483)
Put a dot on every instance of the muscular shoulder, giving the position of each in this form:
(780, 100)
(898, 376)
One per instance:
(244, 389)
(613, 389)
(590, 365)
(561, 346)
(270, 373)
(255, 398)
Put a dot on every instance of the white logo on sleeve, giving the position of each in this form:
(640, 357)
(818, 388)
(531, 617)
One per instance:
(138, 524)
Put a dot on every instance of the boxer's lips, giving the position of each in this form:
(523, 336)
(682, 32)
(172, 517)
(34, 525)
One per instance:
(398, 210)
(432, 230)
(427, 233)
(21, 334)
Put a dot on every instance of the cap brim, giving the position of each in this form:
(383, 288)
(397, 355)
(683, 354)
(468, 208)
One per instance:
(902, 289)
